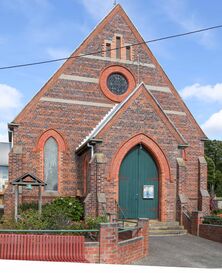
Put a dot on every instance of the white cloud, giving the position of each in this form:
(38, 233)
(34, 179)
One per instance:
(57, 53)
(10, 97)
(10, 103)
(98, 8)
(213, 126)
(208, 93)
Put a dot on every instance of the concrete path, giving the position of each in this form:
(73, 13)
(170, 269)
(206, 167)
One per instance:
(184, 250)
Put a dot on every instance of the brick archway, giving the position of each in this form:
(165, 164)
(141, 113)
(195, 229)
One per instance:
(160, 159)
(62, 147)
(46, 135)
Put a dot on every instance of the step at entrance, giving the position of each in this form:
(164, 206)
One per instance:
(157, 228)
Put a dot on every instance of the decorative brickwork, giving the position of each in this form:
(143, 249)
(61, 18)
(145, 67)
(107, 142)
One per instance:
(125, 72)
(75, 100)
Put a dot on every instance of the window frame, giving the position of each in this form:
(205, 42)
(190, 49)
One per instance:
(57, 167)
(39, 148)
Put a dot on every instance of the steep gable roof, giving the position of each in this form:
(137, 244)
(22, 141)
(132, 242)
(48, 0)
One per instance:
(77, 52)
(109, 116)
(67, 63)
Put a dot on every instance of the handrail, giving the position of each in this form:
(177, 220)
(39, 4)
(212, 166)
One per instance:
(186, 212)
(128, 229)
(124, 217)
(47, 230)
(130, 221)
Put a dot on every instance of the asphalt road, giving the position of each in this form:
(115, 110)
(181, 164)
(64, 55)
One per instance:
(183, 251)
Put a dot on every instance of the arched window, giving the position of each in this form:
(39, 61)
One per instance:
(51, 164)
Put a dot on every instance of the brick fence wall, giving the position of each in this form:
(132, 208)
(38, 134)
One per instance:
(111, 250)
(211, 232)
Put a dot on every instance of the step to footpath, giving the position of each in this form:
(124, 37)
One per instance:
(157, 228)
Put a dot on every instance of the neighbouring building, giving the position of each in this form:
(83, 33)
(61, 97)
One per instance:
(110, 127)
(4, 154)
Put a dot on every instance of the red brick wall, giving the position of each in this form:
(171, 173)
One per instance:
(111, 251)
(92, 252)
(130, 250)
(211, 232)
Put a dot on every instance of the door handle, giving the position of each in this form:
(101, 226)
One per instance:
(137, 196)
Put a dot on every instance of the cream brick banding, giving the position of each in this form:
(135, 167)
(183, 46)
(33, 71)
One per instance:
(78, 78)
(94, 57)
(164, 89)
(78, 102)
(175, 113)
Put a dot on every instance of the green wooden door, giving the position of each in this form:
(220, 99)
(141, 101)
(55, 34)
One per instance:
(138, 178)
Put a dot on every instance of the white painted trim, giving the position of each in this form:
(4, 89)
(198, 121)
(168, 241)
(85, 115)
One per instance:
(78, 102)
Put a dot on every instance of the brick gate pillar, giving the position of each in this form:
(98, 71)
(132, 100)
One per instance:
(108, 240)
(196, 220)
(144, 232)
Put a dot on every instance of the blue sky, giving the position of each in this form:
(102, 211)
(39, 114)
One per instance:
(35, 30)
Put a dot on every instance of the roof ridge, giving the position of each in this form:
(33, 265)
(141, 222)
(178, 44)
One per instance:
(96, 127)
(116, 108)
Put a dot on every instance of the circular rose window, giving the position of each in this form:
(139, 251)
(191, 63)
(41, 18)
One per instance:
(116, 82)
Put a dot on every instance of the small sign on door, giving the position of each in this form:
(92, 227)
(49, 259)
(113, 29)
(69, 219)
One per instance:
(148, 191)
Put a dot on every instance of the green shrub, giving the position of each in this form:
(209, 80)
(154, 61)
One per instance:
(7, 223)
(31, 219)
(62, 211)
(217, 211)
(212, 220)
(26, 206)
(93, 223)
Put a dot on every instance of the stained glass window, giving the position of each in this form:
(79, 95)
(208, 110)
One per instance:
(117, 83)
(51, 164)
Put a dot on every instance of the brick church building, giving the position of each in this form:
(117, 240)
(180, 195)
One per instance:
(110, 127)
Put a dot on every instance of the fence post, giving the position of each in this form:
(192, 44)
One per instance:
(143, 223)
(196, 220)
(108, 243)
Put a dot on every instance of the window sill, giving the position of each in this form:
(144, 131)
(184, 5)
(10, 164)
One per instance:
(50, 193)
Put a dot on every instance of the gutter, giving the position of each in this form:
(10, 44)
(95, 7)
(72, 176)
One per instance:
(89, 144)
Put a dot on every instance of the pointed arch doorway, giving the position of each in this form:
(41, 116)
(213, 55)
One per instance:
(138, 185)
